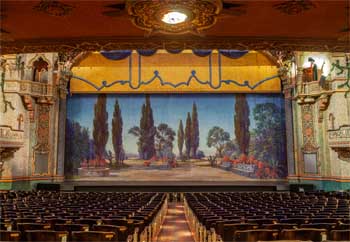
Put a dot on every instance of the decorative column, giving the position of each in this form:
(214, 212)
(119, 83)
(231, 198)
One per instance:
(285, 61)
(42, 147)
(64, 76)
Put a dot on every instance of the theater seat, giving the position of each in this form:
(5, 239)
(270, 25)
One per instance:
(10, 235)
(328, 226)
(120, 231)
(279, 227)
(93, 236)
(304, 234)
(70, 228)
(45, 235)
(339, 235)
(230, 229)
(255, 235)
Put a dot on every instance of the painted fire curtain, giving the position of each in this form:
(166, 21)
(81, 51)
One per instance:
(204, 121)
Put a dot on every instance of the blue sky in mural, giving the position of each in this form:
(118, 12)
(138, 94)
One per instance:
(213, 110)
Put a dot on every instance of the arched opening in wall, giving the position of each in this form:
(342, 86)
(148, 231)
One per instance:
(40, 70)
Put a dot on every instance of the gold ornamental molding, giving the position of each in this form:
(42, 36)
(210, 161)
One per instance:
(174, 42)
(197, 15)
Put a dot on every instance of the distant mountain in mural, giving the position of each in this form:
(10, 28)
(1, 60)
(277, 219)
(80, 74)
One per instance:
(192, 137)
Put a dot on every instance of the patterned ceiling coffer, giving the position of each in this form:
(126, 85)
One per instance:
(293, 7)
(53, 8)
(148, 15)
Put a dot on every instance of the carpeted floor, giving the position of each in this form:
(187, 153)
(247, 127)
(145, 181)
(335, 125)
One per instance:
(175, 228)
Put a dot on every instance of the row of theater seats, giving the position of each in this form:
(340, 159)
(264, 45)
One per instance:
(255, 216)
(91, 216)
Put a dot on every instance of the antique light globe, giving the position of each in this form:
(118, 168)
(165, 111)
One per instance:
(174, 17)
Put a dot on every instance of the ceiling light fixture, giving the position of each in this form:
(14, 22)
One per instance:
(174, 17)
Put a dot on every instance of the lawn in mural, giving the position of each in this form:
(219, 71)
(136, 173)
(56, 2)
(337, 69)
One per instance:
(187, 137)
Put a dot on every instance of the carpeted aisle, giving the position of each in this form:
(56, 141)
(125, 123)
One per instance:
(175, 228)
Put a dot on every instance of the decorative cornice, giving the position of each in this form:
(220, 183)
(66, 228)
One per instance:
(173, 43)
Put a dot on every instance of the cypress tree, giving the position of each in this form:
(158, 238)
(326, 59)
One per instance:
(180, 138)
(117, 132)
(194, 132)
(188, 135)
(100, 130)
(143, 132)
(241, 123)
(151, 130)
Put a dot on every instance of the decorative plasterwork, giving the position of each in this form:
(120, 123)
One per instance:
(294, 7)
(53, 8)
(28, 103)
(339, 141)
(174, 43)
(43, 128)
(34, 89)
(309, 142)
(10, 141)
(147, 15)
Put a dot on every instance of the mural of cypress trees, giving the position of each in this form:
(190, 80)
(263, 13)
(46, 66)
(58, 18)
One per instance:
(194, 132)
(145, 132)
(117, 132)
(180, 138)
(100, 126)
(188, 135)
(241, 123)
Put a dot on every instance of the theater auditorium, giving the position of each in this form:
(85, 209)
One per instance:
(175, 120)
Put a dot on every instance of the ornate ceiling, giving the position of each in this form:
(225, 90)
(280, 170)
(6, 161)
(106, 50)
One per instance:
(66, 25)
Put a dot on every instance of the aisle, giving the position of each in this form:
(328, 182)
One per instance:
(175, 228)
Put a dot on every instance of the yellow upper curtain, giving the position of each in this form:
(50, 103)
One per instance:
(183, 72)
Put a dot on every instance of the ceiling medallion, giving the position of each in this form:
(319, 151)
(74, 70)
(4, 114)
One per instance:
(53, 8)
(293, 7)
(174, 16)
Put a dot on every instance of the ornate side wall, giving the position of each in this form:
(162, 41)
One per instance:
(321, 121)
(29, 104)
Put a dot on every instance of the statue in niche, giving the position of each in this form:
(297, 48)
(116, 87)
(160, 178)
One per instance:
(312, 73)
(40, 68)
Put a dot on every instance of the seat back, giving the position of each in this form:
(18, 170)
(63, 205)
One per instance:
(279, 226)
(328, 226)
(304, 234)
(230, 229)
(10, 235)
(255, 235)
(340, 235)
(120, 231)
(93, 236)
(33, 226)
(71, 227)
(46, 235)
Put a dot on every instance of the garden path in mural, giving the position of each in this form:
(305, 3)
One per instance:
(189, 137)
